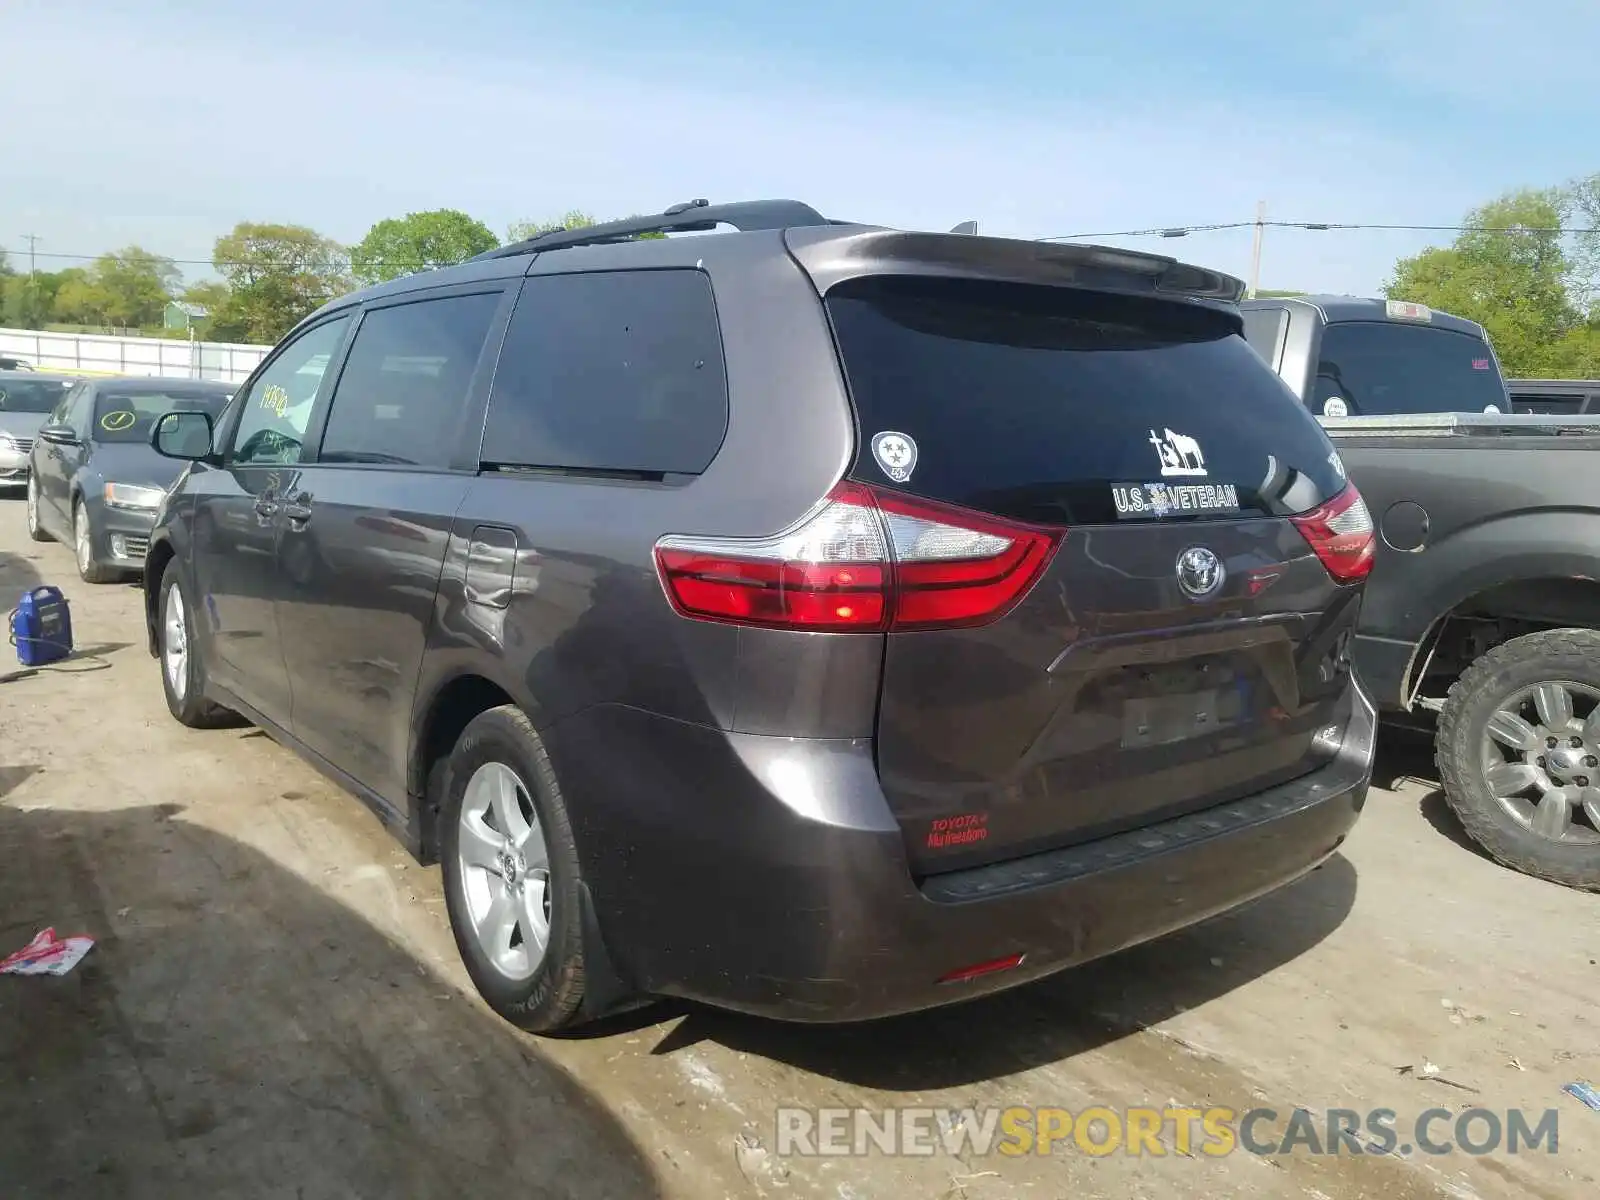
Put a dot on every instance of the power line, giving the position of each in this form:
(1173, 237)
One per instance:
(1175, 231)
(1168, 231)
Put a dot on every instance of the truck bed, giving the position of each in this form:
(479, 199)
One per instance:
(1502, 507)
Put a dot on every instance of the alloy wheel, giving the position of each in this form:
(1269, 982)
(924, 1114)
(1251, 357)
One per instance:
(504, 871)
(81, 541)
(1541, 760)
(175, 644)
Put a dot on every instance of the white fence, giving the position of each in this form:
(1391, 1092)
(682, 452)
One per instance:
(100, 354)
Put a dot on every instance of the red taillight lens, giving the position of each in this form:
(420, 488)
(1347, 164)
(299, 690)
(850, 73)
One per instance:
(867, 561)
(1342, 534)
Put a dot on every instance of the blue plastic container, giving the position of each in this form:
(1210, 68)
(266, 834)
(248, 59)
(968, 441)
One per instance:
(41, 627)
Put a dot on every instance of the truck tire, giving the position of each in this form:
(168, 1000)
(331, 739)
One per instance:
(1518, 751)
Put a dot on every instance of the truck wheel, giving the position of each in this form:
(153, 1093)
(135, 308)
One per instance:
(1518, 751)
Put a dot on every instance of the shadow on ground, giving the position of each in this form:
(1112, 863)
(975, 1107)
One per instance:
(1058, 1018)
(1405, 756)
(236, 1032)
(18, 575)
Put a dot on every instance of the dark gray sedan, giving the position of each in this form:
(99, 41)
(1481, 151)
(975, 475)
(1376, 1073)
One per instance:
(94, 480)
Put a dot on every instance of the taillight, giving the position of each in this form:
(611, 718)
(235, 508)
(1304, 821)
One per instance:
(868, 560)
(1342, 534)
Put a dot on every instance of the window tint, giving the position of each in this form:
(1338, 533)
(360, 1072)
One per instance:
(1040, 403)
(76, 411)
(1263, 329)
(277, 408)
(620, 371)
(129, 414)
(30, 395)
(400, 394)
(1372, 368)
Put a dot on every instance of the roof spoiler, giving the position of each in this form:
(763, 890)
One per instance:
(692, 216)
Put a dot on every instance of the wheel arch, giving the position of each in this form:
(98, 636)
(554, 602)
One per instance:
(448, 710)
(155, 569)
(1550, 592)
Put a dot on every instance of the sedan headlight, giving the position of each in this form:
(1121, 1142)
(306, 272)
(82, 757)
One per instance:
(8, 444)
(127, 495)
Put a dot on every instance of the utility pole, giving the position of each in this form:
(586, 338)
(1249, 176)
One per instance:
(32, 239)
(1255, 250)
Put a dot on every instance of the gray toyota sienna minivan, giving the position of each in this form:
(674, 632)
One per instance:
(814, 619)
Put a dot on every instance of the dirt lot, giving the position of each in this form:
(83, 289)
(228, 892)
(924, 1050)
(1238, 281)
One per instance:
(275, 1007)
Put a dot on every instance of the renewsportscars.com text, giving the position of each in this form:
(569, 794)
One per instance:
(1155, 1132)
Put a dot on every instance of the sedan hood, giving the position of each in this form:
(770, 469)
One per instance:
(21, 424)
(137, 464)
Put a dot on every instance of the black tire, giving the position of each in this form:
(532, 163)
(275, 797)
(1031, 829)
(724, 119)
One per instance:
(1571, 655)
(35, 530)
(91, 571)
(549, 1000)
(192, 708)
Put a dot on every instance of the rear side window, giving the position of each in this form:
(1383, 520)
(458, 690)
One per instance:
(400, 395)
(1375, 368)
(1263, 329)
(616, 371)
(1051, 405)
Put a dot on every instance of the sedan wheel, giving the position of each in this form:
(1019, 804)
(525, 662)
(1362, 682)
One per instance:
(34, 530)
(83, 546)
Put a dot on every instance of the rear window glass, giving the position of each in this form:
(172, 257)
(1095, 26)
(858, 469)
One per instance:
(1373, 368)
(128, 416)
(30, 395)
(1046, 404)
(613, 371)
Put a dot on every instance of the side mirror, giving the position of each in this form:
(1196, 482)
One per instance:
(185, 435)
(59, 435)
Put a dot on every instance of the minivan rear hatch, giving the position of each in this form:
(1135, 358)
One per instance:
(1183, 642)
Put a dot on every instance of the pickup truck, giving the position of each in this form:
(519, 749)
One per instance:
(1347, 356)
(1482, 614)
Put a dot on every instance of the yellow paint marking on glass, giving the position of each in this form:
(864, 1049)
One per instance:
(275, 399)
(115, 422)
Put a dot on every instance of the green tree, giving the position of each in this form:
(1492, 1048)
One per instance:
(1508, 271)
(134, 286)
(576, 219)
(75, 299)
(418, 242)
(520, 231)
(275, 275)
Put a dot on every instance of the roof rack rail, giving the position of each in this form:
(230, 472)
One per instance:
(692, 216)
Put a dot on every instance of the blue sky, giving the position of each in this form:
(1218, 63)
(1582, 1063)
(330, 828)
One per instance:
(163, 123)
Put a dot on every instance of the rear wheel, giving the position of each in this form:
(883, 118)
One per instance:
(511, 873)
(83, 546)
(1518, 751)
(183, 673)
(35, 530)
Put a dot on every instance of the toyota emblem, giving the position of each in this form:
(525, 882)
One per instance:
(1200, 572)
